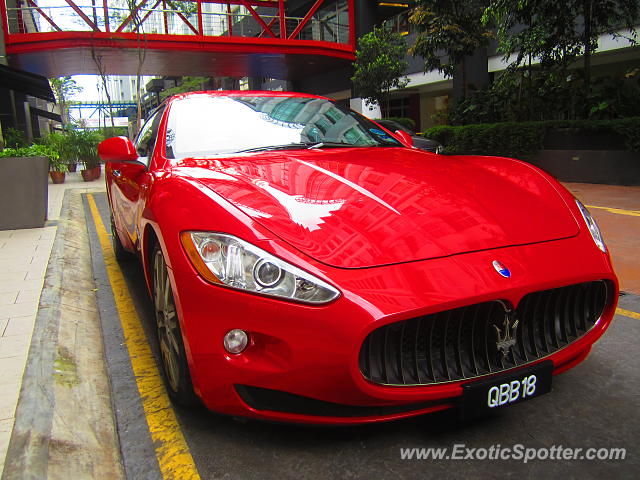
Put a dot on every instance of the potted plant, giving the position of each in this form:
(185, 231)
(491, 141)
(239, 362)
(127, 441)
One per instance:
(57, 167)
(87, 143)
(24, 182)
(63, 148)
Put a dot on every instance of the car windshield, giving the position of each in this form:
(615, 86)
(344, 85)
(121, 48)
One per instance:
(206, 125)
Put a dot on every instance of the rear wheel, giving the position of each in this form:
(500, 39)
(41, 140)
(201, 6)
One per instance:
(174, 359)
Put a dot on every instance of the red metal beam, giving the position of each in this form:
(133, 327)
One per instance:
(51, 22)
(200, 26)
(86, 19)
(283, 20)
(253, 3)
(105, 9)
(184, 19)
(164, 16)
(5, 25)
(133, 13)
(48, 41)
(149, 12)
(270, 24)
(306, 18)
(253, 13)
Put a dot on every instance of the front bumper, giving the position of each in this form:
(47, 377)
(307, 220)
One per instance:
(309, 354)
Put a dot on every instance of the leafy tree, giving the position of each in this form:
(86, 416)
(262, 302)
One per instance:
(448, 32)
(556, 34)
(189, 84)
(64, 88)
(380, 64)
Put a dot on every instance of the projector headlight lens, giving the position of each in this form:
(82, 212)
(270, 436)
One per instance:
(228, 260)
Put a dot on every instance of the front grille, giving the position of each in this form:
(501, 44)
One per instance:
(463, 343)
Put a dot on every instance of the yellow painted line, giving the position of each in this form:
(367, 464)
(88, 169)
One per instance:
(619, 211)
(628, 313)
(172, 451)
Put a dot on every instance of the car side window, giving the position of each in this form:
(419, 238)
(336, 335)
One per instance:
(145, 142)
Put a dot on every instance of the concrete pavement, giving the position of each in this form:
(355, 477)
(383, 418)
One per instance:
(24, 258)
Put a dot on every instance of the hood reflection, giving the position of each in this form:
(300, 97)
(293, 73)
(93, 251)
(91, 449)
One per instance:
(376, 206)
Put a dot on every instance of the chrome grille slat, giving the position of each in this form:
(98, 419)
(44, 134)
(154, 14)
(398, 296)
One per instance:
(460, 344)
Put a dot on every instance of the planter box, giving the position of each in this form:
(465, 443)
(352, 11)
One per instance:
(24, 184)
(612, 167)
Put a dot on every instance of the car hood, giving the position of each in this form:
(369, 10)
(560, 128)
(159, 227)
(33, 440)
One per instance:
(363, 207)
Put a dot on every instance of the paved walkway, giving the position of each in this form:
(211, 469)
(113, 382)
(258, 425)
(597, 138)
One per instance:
(24, 255)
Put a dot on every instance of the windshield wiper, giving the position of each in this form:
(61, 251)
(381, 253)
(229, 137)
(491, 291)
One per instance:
(307, 145)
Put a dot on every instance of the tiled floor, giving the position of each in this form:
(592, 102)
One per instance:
(24, 255)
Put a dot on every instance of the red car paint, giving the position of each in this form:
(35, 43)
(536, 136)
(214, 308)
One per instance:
(400, 232)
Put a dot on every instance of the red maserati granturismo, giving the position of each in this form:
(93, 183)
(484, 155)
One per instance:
(308, 265)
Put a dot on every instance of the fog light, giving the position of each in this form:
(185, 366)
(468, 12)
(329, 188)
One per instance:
(235, 341)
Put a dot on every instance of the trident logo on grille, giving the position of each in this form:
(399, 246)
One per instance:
(506, 336)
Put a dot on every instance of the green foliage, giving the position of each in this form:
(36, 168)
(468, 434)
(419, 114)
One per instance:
(86, 144)
(108, 132)
(519, 140)
(189, 84)
(37, 150)
(14, 138)
(524, 139)
(557, 33)
(516, 96)
(64, 88)
(75, 146)
(448, 27)
(380, 64)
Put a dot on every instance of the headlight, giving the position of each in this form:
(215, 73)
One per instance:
(227, 260)
(592, 225)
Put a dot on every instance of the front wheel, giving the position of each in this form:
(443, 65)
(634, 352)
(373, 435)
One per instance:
(174, 360)
(119, 251)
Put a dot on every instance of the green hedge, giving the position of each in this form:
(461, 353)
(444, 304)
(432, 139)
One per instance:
(524, 139)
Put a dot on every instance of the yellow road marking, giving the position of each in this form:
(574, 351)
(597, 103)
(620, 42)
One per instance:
(619, 211)
(628, 313)
(172, 451)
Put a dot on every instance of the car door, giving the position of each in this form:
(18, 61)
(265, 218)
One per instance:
(128, 183)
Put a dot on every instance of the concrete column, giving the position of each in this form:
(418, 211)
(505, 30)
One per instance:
(370, 111)
(27, 122)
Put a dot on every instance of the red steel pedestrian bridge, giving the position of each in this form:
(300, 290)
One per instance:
(235, 38)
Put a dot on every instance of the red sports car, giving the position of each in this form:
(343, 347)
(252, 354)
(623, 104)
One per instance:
(308, 265)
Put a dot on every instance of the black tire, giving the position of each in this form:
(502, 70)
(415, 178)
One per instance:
(119, 251)
(176, 376)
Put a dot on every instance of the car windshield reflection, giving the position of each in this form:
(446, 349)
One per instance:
(206, 125)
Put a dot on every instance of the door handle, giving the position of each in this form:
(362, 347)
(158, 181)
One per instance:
(117, 173)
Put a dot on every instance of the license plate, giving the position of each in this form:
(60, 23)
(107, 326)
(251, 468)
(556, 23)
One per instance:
(495, 393)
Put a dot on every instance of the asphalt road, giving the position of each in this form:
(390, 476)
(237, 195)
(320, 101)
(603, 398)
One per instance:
(593, 405)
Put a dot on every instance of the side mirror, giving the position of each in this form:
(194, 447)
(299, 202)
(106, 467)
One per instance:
(404, 137)
(117, 149)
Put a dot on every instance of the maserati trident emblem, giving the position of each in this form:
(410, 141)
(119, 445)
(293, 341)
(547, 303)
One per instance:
(501, 269)
(506, 336)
